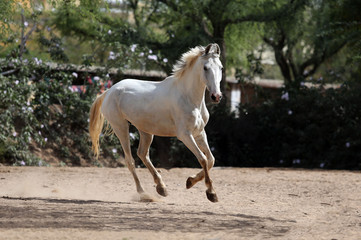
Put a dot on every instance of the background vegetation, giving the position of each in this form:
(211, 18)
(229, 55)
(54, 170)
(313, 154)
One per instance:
(312, 41)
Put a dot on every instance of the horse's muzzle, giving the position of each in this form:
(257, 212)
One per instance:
(216, 98)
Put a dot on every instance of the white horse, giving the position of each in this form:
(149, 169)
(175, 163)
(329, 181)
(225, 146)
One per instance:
(172, 107)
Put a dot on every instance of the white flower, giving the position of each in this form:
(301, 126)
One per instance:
(42, 126)
(15, 134)
(45, 139)
(132, 136)
(39, 133)
(165, 60)
(153, 57)
(322, 165)
(296, 161)
(150, 51)
(114, 150)
(285, 96)
(96, 78)
(348, 144)
(40, 163)
(26, 24)
(5, 91)
(290, 112)
(16, 82)
(141, 54)
(22, 163)
(109, 32)
(111, 55)
(37, 61)
(107, 76)
(75, 74)
(133, 47)
(28, 103)
(302, 84)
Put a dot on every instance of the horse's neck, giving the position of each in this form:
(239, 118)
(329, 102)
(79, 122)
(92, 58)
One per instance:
(191, 85)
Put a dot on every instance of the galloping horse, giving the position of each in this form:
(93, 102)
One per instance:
(172, 107)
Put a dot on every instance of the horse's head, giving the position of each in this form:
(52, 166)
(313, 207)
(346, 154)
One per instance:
(212, 71)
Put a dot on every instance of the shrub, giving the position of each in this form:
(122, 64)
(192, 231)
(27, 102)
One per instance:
(312, 128)
(38, 108)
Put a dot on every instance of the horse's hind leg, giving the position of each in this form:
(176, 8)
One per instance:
(202, 143)
(143, 153)
(121, 129)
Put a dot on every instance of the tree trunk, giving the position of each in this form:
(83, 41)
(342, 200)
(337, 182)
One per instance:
(218, 37)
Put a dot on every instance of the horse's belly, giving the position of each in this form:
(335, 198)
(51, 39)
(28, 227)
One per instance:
(150, 119)
(155, 125)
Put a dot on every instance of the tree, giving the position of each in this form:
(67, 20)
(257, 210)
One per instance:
(303, 39)
(212, 18)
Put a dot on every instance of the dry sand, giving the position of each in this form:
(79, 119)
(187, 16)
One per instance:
(101, 203)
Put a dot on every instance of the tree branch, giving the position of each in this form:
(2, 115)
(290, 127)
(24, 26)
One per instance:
(25, 38)
(271, 15)
(206, 29)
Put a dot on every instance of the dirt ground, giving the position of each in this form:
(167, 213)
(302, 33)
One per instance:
(101, 203)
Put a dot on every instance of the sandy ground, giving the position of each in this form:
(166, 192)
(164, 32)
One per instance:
(101, 203)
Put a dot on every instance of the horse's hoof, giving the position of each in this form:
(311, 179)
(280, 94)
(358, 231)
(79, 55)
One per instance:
(189, 183)
(212, 196)
(162, 191)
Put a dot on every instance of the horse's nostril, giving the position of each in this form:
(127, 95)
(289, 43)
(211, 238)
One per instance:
(213, 97)
(220, 97)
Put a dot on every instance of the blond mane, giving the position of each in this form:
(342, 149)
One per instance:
(187, 60)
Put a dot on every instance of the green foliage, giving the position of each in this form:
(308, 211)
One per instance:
(19, 125)
(309, 128)
(306, 38)
(39, 108)
(313, 128)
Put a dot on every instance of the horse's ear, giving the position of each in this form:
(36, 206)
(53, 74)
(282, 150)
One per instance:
(208, 48)
(212, 48)
(218, 49)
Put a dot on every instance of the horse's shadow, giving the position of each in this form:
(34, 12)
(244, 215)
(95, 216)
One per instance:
(122, 216)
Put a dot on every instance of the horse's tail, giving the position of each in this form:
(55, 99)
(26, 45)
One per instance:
(96, 123)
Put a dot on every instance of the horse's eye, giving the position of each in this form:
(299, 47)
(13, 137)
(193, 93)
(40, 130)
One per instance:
(205, 68)
(221, 68)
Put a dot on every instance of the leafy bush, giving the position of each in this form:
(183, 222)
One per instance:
(308, 128)
(39, 108)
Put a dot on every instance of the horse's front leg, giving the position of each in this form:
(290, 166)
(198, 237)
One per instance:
(202, 143)
(190, 142)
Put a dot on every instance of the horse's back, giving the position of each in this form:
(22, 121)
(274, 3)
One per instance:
(143, 103)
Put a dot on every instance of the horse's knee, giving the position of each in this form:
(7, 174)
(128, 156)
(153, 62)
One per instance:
(211, 161)
(203, 162)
